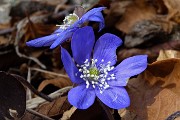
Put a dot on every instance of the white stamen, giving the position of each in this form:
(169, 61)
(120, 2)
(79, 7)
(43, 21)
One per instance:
(86, 61)
(87, 84)
(81, 76)
(92, 75)
(97, 78)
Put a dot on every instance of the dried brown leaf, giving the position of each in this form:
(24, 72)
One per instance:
(4, 41)
(173, 7)
(13, 97)
(58, 82)
(116, 11)
(67, 114)
(4, 26)
(126, 114)
(165, 54)
(57, 107)
(166, 103)
(135, 12)
(35, 30)
(33, 27)
(155, 93)
(152, 52)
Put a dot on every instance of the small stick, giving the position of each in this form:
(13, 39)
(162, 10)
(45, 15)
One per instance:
(27, 84)
(38, 114)
(30, 58)
(29, 96)
(49, 72)
(8, 30)
(22, 55)
(34, 102)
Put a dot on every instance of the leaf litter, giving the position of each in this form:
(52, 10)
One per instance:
(146, 27)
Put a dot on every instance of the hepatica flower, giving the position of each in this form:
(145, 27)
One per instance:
(94, 72)
(72, 22)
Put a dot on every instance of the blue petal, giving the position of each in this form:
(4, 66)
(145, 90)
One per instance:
(127, 68)
(98, 17)
(70, 67)
(63, 36)
(114, 97)
(119, 81)
(82, 44)
(45, 41)
(59, 30)
(94, 15)
(105, 48)
(81, 97)
(42, 41)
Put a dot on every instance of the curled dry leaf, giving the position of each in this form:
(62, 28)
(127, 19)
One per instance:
(126, 114)
(24, 8)
(58, 82)
(155, 93)
(57, 107)
(125, 14)
(33, 26)
(145, 33)
(13, 97)
(136, 11)
(152, 52)
(165, 54)
(67, 114)
(116, 11)
(125, 53)
(4, 41)
(173, 7)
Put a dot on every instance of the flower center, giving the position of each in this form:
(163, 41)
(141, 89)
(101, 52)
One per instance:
(96, 76)
(68, 21)
(93, 71)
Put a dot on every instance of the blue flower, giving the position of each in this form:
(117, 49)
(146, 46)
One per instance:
(71, 24)
(95, 74)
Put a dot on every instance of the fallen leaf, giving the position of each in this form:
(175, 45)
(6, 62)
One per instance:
(67, 114)
(34, 30)
(23, 8)
(152, 52)
(33, 27)
(125, 53)
(126, 114)
(173, 7)
(165, 54)
(4, 41)
(29, 116)
(145, 33)
(55, 108)
(13, 97)
(138, 10)
(166, 103)
(155, 93)
(58, 82)
(116, 11)
(4, 26)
